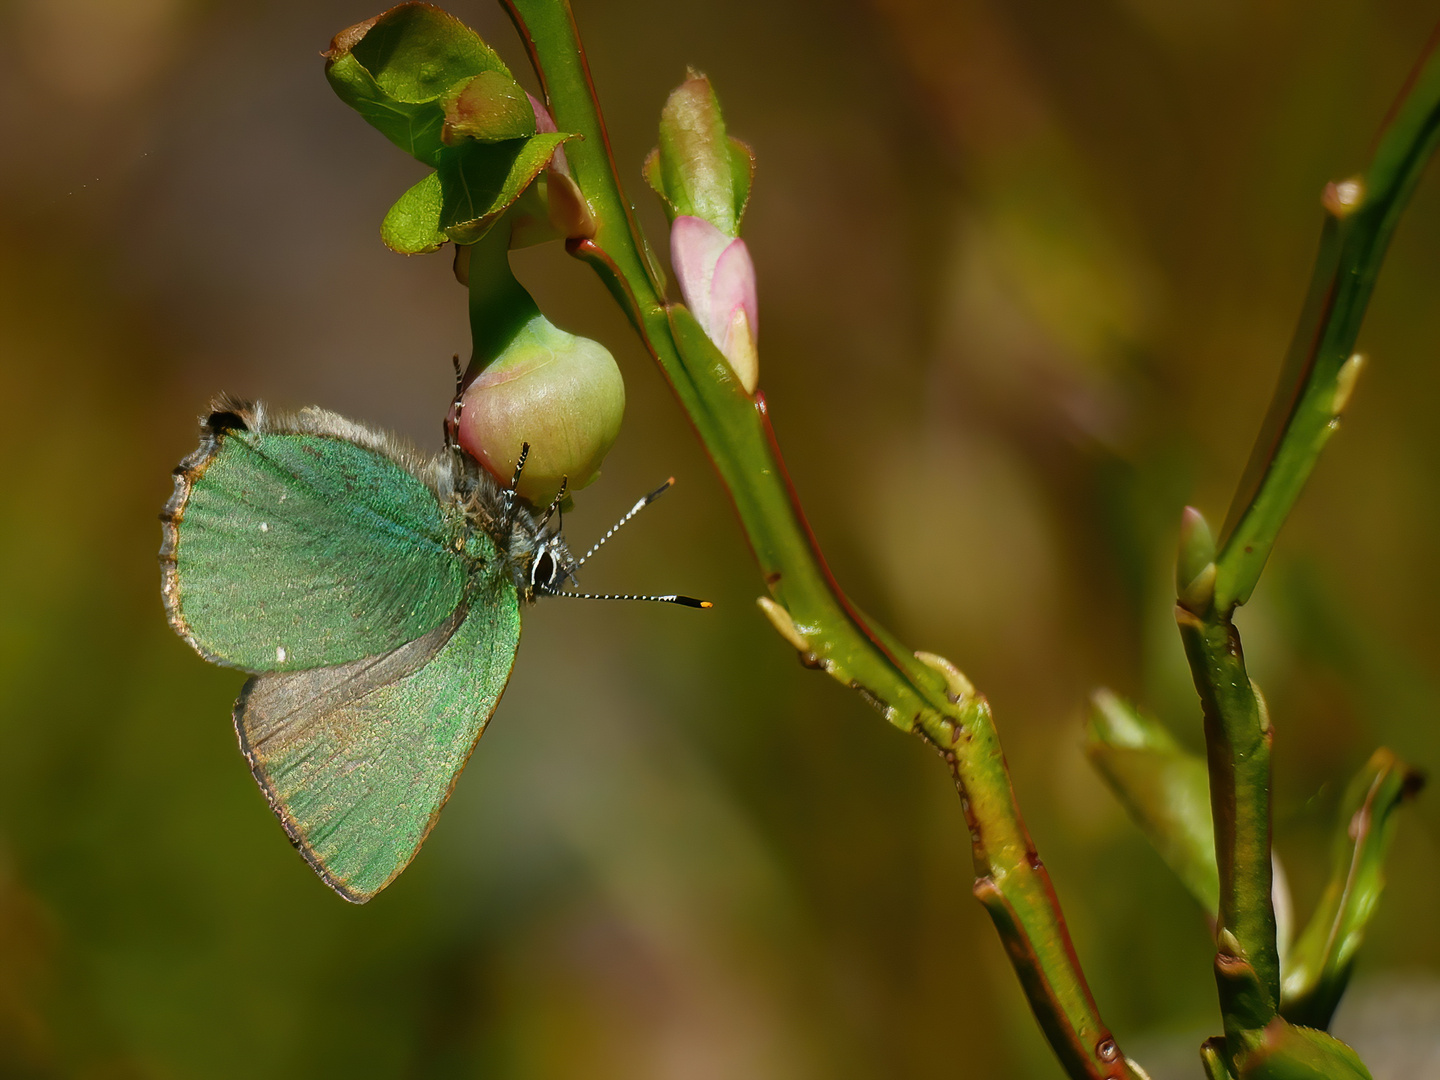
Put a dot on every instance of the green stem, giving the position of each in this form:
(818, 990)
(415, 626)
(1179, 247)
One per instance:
(1237, 740)
(500, 307)
(922, 695)
(1319, 372)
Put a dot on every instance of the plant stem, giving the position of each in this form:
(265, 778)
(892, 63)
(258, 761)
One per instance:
(499, 305)
(1237, 741)
(1320, 367)
(924, 694)
(1315, 385)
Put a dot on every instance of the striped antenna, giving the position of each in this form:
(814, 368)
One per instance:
(555, 502)
(683, 601)
(646, 501)
(514, 482)
(520, 464)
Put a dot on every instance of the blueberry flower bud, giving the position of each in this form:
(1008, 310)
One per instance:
(560, 393)
(717, 279)
(703, 177)
(698, 170)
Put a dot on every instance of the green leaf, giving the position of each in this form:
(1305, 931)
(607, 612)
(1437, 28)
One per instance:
(417, 52)
(412, 226)
(742, 173)
(1320, 964)
(460, 201)
(415, 128)
(1287, 1052)
(395, 69)
(1165, 789)
(478, 181)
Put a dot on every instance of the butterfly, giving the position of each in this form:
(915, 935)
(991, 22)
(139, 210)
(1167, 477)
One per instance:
(374, 596)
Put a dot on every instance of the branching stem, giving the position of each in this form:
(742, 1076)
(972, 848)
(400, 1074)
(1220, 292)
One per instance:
(923, 694)
(1315, 385)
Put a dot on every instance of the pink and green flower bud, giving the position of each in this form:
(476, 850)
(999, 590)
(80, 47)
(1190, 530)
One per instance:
(717, 279)
(703, 176)
(560, 393)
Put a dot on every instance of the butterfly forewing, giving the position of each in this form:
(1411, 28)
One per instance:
(287, 550)
(357, 759)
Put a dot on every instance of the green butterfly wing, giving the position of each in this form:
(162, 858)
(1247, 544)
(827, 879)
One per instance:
(305, 541)
(357, 759)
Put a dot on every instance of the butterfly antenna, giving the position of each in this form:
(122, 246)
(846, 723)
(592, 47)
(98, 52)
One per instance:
(555, 502)
(514, 482)
(646, 501)
(520, 465)
(452, 415)
(683, 601)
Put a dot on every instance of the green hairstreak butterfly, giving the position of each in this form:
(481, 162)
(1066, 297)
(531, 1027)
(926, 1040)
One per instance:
(374, 596)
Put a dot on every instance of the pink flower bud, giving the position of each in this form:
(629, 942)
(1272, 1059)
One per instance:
(560, 393)
(717, 279)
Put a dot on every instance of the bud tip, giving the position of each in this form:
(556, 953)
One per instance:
(1344, 197)
(1195, 563)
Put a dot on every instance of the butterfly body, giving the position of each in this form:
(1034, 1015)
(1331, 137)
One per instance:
(374, 596)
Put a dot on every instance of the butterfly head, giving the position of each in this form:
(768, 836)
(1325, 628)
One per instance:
(539, 558)
(552, 564)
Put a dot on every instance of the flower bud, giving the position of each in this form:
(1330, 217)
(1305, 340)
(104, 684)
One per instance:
(699, 170)
(717, 279)
(703, 176)
(1195, 565)
(488, 107)
(560, 393)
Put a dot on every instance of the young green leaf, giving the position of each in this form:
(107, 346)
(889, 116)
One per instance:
(1165, 789)
(1322, 959)
(479, 180)
(394, 70)
(1287, 1052)
(431, 86)
(412, 225)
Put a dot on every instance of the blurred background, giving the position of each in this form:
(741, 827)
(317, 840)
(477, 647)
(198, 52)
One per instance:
(1027, 269)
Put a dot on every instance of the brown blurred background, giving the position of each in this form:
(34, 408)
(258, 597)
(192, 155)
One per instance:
(1027, 267)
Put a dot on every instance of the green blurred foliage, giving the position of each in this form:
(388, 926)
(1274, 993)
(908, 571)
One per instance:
(1028, 268)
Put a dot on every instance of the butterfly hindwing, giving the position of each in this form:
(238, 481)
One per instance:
(304, 542)
(357, 759)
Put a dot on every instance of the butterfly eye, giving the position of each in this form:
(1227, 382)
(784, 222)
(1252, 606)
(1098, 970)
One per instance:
(542, 573)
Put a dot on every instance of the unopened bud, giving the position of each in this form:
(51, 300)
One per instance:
(1195, 563)
(717, 279)
(560, 393)
(490, 107)
(698, 170)
(1342, 198)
